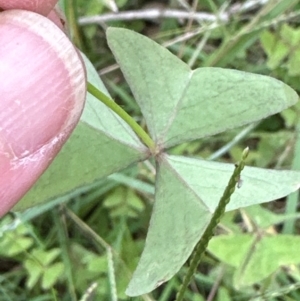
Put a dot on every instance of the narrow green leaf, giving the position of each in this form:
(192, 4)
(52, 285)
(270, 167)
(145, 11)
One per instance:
(180, 104)
(101, 144)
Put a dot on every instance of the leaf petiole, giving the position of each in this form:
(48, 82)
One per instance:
(124, 115)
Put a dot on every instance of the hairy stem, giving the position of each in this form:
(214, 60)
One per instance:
(202, 244)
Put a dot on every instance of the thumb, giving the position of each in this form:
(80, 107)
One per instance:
(42, 7)
(42, 96)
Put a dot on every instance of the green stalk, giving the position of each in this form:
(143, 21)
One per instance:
(292, 199)
(65, 252)
(125, 116)
(202, 244)
(75, 31)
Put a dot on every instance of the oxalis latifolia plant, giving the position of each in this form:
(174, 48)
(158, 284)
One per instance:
(178, 105)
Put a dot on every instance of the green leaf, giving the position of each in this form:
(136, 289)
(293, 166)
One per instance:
(275, 48)
(123, 202)
(255, 256)
(187, 193)
(45, 257)
(293, 64)
(264, 218)
(14, 241)
(223, 246)
(12, 246)
(268, 41)
(223, 294)
(52, 275)
(290, 36)
(34, 272)
(180, 104)
(39, 265)
(209, 180)
(178, 220)
(101, 144)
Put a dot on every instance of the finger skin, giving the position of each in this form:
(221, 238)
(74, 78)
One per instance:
(58, 18)
(42, 7)
(42, 96)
